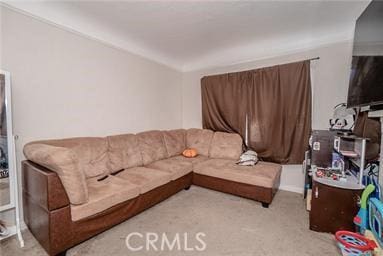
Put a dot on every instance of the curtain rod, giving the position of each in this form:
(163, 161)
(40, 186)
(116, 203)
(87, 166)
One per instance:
(316, 58)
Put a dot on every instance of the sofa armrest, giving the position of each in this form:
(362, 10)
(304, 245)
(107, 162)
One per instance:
(64, 163)
(46, 208)
(43, 186)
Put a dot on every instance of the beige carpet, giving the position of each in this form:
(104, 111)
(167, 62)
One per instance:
(233, 226)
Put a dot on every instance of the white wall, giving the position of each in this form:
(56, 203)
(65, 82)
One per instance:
(63, 80)
(64, 85)
(330, 76)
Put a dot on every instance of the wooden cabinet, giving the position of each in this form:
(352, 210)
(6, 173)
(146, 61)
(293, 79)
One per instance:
(333, 208)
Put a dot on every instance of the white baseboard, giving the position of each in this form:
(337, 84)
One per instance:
(291, 189)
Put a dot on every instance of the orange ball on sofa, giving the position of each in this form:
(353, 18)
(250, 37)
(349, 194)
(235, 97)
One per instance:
(190, 152)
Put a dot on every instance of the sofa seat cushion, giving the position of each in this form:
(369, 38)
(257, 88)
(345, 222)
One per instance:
(193, 160)
(104, 194)
(176, 168)
(145, 178)
(263, 174)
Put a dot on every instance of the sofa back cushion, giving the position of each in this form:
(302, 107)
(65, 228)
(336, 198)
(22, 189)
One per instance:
(199, 139)
(64, 162)
(124, 152)
(226, 145)
(175, 141)
(91, 153)
(152, 146)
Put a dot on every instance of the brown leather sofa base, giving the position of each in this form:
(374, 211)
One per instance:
(262, 194)
(48, 216)
(54, 228)
(88, 227)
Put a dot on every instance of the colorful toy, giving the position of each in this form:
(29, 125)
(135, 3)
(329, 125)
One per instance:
(376, 219)
(353, 244)
(361, 219)
(378, 250)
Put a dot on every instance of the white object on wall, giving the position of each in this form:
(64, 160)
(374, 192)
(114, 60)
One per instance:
(13, 177)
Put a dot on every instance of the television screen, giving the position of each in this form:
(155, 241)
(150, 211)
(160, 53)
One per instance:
(366, 80)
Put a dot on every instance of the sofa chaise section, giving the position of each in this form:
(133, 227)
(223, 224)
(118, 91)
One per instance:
(263, 174)
(259, 182)
(221, 173)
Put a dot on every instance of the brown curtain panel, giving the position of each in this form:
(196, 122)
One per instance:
(279, 112)
(224, 102)
(276, 101)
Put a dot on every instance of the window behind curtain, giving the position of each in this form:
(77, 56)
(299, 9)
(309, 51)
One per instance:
(270, 106)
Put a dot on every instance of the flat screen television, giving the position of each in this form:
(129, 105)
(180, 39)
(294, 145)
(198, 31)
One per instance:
(366, 79)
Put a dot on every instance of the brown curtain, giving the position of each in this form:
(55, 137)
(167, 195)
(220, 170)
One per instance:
(224, 102)
(276, 101)
(279, 112)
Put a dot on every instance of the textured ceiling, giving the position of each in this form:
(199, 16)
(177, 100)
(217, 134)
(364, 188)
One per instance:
(190, 35)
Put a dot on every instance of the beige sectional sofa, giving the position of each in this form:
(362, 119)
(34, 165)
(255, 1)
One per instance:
(78, 187)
